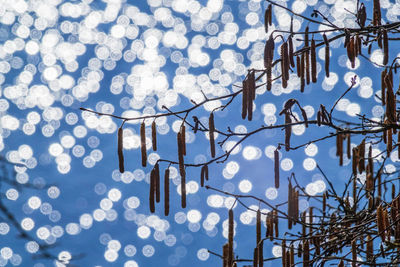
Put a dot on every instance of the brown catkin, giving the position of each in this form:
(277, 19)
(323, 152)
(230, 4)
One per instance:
(324, 203)
(183, 131)
(376, 13)
(157, 181)
(288, 130)
(383, 87)
(260, 254)
(389, 144)
(291, 52)
(120, 150)
(255, 257)
(154, 135)
(355, 161)
(302, 75)
(258, 227)
(298, 65)
(211, 134)
(276, 223)
(284, 263)
(307, 55)
(252, 94)
(361, 155)
(380, 222)
(182, 171)
(202, 176)
(152, 191)
(266, 20)
(166, 192)
(143, 143)
(284, 64)
(270, 14)
(348, 146)
(327, 55)
(225, 255)
(385, 47)
(276, 167)
(244, 99)
(230, 237)
(313, 62)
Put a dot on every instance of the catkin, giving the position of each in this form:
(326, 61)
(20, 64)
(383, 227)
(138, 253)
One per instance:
(383, 87)
(298, 65)
(385, 47)
(361, 155)
(284, 64)
(252, 94)
(376, 13)
(258, 227)
(244, 99)
(284, 263)
(157, 181)
(154, 135)
(183, 131)
(276, 167)
(166, 192)
(302, 75)
(291, 52)
(230, 238)
(211, 134)
(143, 144)
(202, 176)
(260, 254)
(288, 130)
(225, 255)
(120, 150)
(380, 222)
(182, 171)
(255, 257)
(370, 249)
(355, 161)
(276, 218)
(152, 191)
(313, 62)
(327, 55)
(389, 145)
(307, 55)
(266, 20)
(348, 146)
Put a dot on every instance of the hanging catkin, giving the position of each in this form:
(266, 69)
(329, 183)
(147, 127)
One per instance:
(348, 146)
(211, 134)
(143, 143)
(383, 87)
(288, 130)
(182, 171)
(276, 167)
(302, 75)
(291, 52)
(230, 238)
(157, 181)
(152, 191)
(284, 64)
(154, 135)
(385, 47)
(298, 65)
(307, 55)
(252, 94)
(313, 62)
(183, 134)
(327, 55)
(244, 98)
(376, 13)
(258, 227)
(166, 192)
(120, 150)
